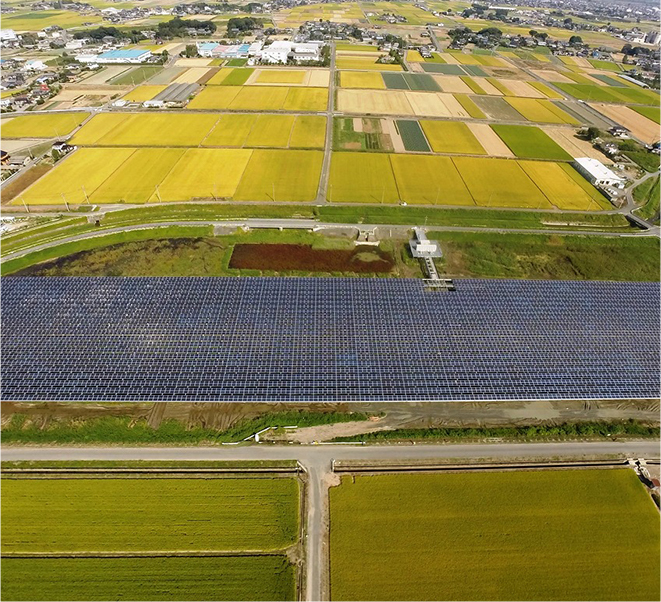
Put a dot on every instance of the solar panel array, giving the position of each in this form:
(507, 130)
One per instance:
(307, 339)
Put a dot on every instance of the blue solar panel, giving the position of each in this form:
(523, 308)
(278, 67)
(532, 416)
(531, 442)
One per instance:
(308, 339)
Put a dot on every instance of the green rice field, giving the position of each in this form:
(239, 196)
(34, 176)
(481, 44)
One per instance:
(541, 535)
(148, 514)
(412, 136)
(169, 578)
(530, 142)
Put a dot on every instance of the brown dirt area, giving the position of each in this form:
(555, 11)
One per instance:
(642, 128)
(284, 257)
(13, 189)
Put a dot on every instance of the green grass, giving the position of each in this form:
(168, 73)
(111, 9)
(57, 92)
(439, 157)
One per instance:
(554, 257)
(142, 515)
(136, 76)
(207, 578)
(127, 430)
(237, 77)
(159, 233)
(649, 112)
(647, 195)
(543, 535)
(604, 65)
(648, 161)
(476, 218)
(581, 430)
(530, 142)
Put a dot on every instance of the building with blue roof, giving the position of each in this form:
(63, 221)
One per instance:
(136, 55)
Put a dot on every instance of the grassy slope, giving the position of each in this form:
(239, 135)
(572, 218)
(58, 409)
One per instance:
(128, 430)
(647, 195)
(221, 578)
(99, 514)
(494, 536)
(549, 257)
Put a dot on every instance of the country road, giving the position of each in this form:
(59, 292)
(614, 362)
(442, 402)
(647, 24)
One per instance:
(316, 459)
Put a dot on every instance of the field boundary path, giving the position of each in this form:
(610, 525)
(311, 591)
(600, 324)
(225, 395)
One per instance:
(317, 461)
(328, 145)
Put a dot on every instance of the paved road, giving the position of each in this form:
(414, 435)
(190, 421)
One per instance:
(317, 461)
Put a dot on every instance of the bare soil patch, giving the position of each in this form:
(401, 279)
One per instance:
(285, 257)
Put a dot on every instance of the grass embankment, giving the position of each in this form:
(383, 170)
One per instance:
(146, 464)
(580, 430)
(534, 256)
(126, 429)
(648, 196)
(519, 535)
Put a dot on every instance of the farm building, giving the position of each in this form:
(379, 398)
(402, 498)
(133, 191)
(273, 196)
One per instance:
(235, 51)
(597, 173)
(134, 56)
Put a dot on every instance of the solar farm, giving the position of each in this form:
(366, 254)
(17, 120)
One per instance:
(299, 339)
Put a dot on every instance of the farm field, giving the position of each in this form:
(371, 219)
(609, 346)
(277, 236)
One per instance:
(142, 93)
(36, 21)
(530, 142)
(148, 514)
(362, 79)
(542, 111)
(136, 75)
(637, 122)
(614, 94)
(273, 175)
(145, 129)
(649, 112)
(204, 173)
(555, 533)
(358, 62)
(264, 98)
(451, 137)
(412, 136)
(51, 125)
(439, 180)
(205, 578)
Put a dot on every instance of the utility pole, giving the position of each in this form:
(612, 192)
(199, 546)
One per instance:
(85, 193)
(65, 202)
(27, 210)
(273, 184)
(158, 194)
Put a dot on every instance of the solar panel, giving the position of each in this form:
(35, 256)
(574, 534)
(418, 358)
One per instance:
(326, 339)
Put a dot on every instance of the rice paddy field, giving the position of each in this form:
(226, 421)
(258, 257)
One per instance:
(536, 535)
(189, 129)
(440, 180)
(144, 521)
(261, 98)
(530, 142)
(46, 125)
(173, 578)
(104, 175)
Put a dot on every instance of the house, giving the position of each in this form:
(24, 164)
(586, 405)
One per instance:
(279, 52)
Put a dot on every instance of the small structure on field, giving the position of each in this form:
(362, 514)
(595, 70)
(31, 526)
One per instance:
(425, 250)
(597, 173)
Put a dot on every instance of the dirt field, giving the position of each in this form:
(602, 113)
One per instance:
(193, 62)
(491, 142)
(520, 88)
(452, 84)
(489, 88)
(574, 145)
(191, 76)
(397, 142)
(377, 102)
(284, 257)
(105, 74)
(551, 76)
(642, 128)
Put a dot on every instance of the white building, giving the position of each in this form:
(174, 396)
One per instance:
(8, 35)
(280, 52)
(597, 173)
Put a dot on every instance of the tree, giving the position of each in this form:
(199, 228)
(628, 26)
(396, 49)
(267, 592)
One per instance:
(533, 33)
(568, 21)
(190, 51)
(575, 40)
(592, 133)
